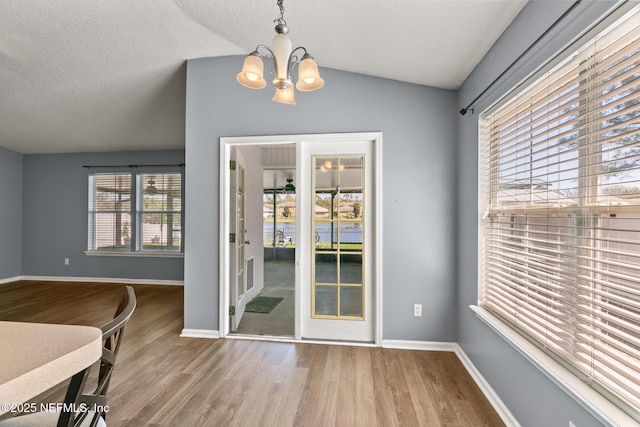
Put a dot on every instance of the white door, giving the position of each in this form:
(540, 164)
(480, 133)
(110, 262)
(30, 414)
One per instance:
(237, 243)
(335, 260)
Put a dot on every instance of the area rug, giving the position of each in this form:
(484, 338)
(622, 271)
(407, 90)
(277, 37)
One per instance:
(262, 304)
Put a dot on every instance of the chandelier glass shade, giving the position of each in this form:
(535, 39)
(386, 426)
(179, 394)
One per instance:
(252, 72)
(284, 57)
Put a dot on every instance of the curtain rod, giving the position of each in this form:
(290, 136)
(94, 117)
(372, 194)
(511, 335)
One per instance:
(129, 166)
(543, 35)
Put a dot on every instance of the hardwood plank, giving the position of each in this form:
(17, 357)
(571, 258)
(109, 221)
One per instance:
(383, 390)
(365, 395)
(163, 380)
(426, 413)
(314, 358)
(328, 400)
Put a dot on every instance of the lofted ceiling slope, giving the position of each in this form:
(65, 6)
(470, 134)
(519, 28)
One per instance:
(95, 75)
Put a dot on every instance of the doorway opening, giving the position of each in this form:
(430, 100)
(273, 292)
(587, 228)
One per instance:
(269, 203)
(275, 311)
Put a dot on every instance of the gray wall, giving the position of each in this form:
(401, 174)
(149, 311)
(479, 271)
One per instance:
(54, 220)
(530, 396)
(10, 214)
(419, 126)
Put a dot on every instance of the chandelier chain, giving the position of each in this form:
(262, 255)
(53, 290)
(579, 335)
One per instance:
(280, 20)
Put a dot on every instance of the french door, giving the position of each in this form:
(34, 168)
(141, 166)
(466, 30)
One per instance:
(338, 253)
(336, 258)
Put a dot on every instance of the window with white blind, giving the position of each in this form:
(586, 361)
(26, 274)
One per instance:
(560, 179)
(160, 212)
(110, 212)
(145, 217)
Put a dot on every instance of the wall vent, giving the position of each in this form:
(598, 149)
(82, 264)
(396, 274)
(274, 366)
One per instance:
(249, 270)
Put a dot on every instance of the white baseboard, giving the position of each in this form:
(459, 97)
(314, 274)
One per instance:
(420, 345)
(9, 280)
(200, 333)
(116, 280)
(486, 389)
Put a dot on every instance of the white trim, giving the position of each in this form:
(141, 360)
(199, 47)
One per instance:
(10, 280)
(200, 333)
(300, 266)
(337, 342)
(486, 389)
(592, 401)
(115, 280)
(293, 340)
(223, 242)
(378, 235)
(420, 345)
(267, 338)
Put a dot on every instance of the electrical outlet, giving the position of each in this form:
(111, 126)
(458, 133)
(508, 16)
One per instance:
(417, 310)
(66, 261)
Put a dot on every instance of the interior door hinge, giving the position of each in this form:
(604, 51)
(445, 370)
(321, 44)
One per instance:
(232, 237)
(232, 310)
(232, 165)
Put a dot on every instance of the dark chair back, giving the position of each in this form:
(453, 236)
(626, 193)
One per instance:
(91, 404)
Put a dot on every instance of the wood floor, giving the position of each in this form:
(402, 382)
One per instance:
(164, 380)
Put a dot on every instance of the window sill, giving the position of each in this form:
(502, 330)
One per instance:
(596, 404)
(144, 254)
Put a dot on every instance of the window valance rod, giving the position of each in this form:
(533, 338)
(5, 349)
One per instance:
(130, 166)
(522, 55)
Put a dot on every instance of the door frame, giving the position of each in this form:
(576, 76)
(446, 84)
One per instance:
(224, 222)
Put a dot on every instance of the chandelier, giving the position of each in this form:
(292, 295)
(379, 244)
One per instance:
(284, 59)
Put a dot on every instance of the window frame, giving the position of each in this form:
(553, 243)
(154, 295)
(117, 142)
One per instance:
(595, 401)
(136, 248)
(164, 213)
(94, 211)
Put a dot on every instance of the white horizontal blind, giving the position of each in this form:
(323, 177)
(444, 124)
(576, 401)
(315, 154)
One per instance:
(560, 165)
(109, 212)
(160, 212)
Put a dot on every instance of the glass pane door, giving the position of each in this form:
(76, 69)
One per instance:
(240, 232)
(338, 250)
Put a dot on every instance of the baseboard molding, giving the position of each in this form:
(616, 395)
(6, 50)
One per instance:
(420, 345)
(200, 333)
(9, 280)
(486, 389)
(115, 280)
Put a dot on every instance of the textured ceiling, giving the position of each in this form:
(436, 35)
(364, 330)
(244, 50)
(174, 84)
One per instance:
(96, 75)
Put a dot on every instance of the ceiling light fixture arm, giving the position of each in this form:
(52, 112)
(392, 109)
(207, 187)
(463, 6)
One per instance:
(257, 53)
(291, 62)
(294, 59)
